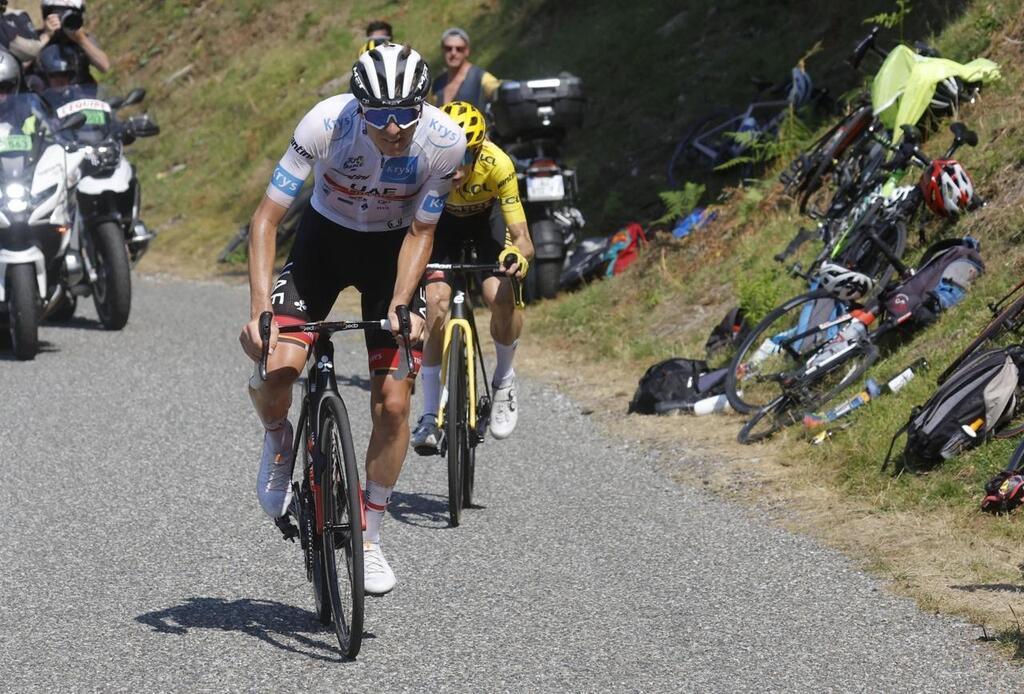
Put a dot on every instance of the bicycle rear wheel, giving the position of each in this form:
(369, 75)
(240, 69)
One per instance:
(769, 350)
(765, 422)
(456, 427)
(338, 477)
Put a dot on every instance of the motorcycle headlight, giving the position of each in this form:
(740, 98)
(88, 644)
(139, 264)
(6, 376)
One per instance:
(15, 191)
(17, 205)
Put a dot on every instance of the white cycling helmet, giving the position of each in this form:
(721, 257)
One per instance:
(843, 283)
(390, 76)
(69, 4)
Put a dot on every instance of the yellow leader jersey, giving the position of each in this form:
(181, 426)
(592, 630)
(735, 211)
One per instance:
(493, 178)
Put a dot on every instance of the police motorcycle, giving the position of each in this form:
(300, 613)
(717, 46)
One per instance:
(108, 237)
(36, 211)
(531, 121)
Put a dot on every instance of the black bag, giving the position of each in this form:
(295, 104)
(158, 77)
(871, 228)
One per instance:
(731, 331)
(945, 274)
(968, 408)
(674, 384)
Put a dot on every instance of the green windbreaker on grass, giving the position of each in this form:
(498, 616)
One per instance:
(906, 82)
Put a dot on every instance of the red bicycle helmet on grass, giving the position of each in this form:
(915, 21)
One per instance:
(947, 187)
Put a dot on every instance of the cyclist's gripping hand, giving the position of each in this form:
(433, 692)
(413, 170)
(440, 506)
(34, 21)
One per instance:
(252, 343)
(519, 267)
(416, 323)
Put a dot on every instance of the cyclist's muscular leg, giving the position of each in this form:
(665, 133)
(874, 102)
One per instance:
(439, 295)
(389, 404)
(506, 319)
(273, 397)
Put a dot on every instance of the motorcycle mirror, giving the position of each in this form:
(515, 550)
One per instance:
(134, 96)
(72, 122)
(143, 126)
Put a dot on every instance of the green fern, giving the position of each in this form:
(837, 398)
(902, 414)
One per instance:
(891, 20)
(679, 203)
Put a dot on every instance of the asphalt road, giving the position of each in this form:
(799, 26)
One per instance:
(134, 556)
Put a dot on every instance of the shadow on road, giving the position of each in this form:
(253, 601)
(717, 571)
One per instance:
(421, 510)
(356, 381)
(271, 622)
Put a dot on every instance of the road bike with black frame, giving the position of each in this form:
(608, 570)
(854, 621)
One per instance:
(875, 249)
(878, 202)
(1007, 320)
(327, 503)
(465, 413)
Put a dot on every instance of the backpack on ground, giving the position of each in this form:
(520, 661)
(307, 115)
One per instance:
(730, 332)
(624, 248)
(1005, 491)
(970, 407)
(674, 384)
(942, 280)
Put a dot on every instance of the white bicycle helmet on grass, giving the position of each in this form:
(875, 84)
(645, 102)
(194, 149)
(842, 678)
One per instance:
(843, 283)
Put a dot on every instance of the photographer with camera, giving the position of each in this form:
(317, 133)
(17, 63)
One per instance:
(62, 25)
(17, 35)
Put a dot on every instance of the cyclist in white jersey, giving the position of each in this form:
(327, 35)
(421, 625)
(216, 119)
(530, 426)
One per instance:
(382, 162)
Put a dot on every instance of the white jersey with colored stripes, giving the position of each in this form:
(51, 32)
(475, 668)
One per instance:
(357, 187)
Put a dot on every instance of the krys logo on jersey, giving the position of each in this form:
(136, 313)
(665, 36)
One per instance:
(399, 170)
(434, 203)
(441, 136)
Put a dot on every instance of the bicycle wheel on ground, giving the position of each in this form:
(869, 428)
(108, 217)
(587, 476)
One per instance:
(338, 477)
(304, 510)
(752, 380)
(688, 155)
(1007, 321)
(456, 428)
(765, 421)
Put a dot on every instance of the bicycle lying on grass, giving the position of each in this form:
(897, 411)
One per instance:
(327, 501)
(1007, 320)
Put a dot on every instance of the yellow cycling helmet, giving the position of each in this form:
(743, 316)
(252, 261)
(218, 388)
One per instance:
(468, 117)
(373, 43)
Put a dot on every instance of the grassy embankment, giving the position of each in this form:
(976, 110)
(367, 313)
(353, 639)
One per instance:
(925, 532)
(228, 81)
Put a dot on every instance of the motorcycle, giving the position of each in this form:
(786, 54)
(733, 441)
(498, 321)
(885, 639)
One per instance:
(108, 237)
(36, 214)
(531, 120)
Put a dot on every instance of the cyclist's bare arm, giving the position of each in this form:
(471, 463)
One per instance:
(412, 262)
(262, 251)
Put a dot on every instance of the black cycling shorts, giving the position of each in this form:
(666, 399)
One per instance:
(327, 258)
(485, 230)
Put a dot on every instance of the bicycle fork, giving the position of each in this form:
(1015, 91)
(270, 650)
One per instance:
(459, 318)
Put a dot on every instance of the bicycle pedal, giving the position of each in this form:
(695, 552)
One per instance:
(287, 528)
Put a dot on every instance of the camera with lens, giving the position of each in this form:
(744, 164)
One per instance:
(71, 18)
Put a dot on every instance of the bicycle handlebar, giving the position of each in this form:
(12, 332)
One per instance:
(328, 327)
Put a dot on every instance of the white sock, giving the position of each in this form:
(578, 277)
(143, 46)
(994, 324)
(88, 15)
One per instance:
(431, 378)
(376, 497)
(503, 372)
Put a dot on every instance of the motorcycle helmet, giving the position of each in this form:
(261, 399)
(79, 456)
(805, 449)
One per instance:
(468, 117)
(947, 187)
(59, 59)
(843, 283)
(390, 76)
(800, 87)
(10, 74)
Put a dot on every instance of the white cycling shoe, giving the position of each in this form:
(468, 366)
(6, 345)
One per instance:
(378, 578)
(504, 411)
(274, 482)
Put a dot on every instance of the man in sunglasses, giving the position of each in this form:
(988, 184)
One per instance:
(463, 81)
(382, 163)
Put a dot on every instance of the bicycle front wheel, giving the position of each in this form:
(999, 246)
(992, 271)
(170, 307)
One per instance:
(455, 423)
(774, 348)
(338, 476)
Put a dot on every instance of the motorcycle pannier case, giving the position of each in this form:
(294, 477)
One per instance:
(539, 107)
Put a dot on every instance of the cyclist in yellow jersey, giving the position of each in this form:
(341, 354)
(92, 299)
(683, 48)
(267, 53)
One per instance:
(497, 231)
